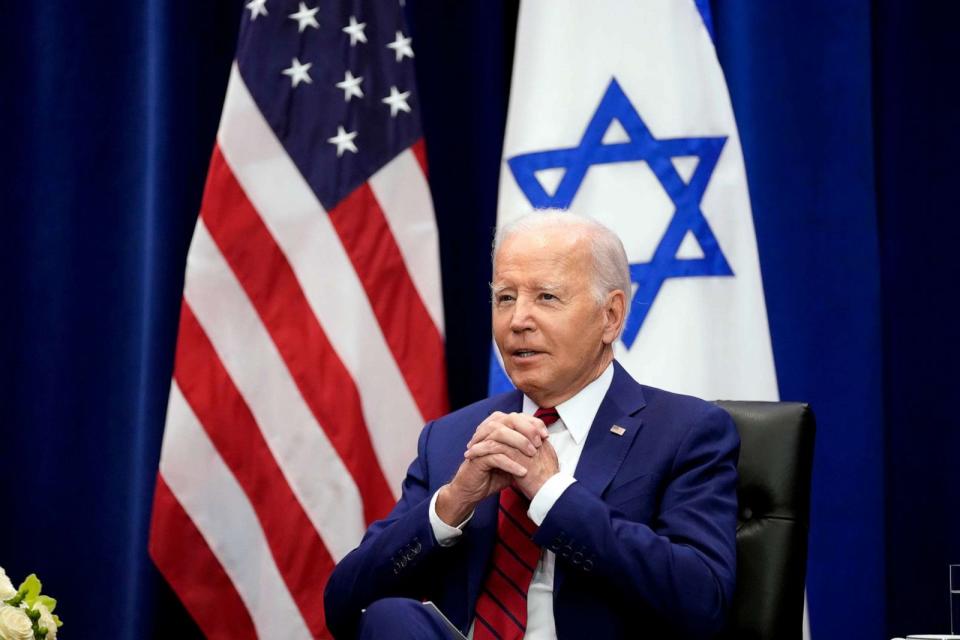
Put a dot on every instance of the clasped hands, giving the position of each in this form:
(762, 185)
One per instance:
(507, 448)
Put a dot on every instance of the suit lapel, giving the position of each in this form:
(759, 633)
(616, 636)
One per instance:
(605, 449)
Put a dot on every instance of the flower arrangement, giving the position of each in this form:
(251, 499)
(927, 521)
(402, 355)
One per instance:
(25, 614)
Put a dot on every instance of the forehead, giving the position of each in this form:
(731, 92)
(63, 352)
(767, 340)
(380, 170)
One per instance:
(551, 256)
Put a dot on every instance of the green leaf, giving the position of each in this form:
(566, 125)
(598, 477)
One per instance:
(17, 599)
(48, 602)
(56, 619)
(32, 584)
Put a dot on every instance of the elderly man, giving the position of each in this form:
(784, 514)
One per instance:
(581, 505)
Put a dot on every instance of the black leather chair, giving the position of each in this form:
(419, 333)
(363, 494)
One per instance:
(776, 457)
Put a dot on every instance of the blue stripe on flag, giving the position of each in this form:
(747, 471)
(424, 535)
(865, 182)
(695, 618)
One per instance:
(498, 381)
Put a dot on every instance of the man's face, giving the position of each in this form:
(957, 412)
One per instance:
(547, 324)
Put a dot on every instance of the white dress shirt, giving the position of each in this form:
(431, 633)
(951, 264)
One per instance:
(567, 435)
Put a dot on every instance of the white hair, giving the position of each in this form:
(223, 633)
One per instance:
(611, 269)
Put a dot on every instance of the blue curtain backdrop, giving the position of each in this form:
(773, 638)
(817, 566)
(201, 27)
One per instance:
(800, 80)
(847, 113)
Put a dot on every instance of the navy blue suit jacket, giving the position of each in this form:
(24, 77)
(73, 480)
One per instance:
(645, 539)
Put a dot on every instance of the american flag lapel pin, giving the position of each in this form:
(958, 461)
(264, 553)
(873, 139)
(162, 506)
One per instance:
(617, 430)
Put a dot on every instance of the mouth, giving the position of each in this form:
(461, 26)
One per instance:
(524, 354)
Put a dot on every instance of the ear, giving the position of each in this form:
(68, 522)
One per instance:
(614, 312)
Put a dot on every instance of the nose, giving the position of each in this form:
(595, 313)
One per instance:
(522, 318)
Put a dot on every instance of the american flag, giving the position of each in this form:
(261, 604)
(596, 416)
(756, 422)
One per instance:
(310, 347)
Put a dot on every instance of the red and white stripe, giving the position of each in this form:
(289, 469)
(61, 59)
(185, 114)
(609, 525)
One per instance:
(310, 354)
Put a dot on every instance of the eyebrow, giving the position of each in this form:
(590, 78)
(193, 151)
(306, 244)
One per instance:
(537, 286)
(549, 287)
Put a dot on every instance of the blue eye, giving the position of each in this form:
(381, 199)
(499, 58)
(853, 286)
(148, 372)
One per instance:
(548, 296)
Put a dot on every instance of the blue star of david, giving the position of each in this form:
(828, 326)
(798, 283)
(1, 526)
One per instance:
(641, 147)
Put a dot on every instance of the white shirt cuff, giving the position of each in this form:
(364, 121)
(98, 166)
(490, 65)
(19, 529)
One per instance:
(548, 495)
(445, 534)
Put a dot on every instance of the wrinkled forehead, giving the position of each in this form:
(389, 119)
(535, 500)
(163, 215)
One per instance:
(537, 262)
(557, 245)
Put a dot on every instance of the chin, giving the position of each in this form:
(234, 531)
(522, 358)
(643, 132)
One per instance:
(527, 384)
(520, 380)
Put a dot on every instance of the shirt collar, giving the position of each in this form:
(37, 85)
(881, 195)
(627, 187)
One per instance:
(578, 412)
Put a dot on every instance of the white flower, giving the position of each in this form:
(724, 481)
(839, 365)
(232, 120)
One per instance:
(6, 587)
(14, 624)
(46, 620)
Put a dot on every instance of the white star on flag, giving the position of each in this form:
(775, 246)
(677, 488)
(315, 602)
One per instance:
(290, 190)
(306, 17)
(344, 141)
(397, 101)
(350, 86)
(355, 31)
(402, 46)
(298, 72)
(257, 8)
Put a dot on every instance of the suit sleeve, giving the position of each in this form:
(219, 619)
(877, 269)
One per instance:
(683, 565)
(390, 560)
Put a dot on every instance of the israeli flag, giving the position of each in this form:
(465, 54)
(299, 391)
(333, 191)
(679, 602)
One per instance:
(619, 110)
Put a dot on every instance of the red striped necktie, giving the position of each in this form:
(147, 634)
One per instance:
(502, 605)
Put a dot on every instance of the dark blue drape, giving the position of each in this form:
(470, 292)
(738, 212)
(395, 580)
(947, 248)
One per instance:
(800, 79)
(849, 123)
(917, 127)
(108, 113)
(464, 60)
(847, 113)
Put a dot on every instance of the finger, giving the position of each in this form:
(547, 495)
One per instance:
(530, 426)
(492, 421)
(503, 462)
(512, 438)
(488, 447)
(548, 449)
(481, 433)
(546, 458)
(547, 452)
